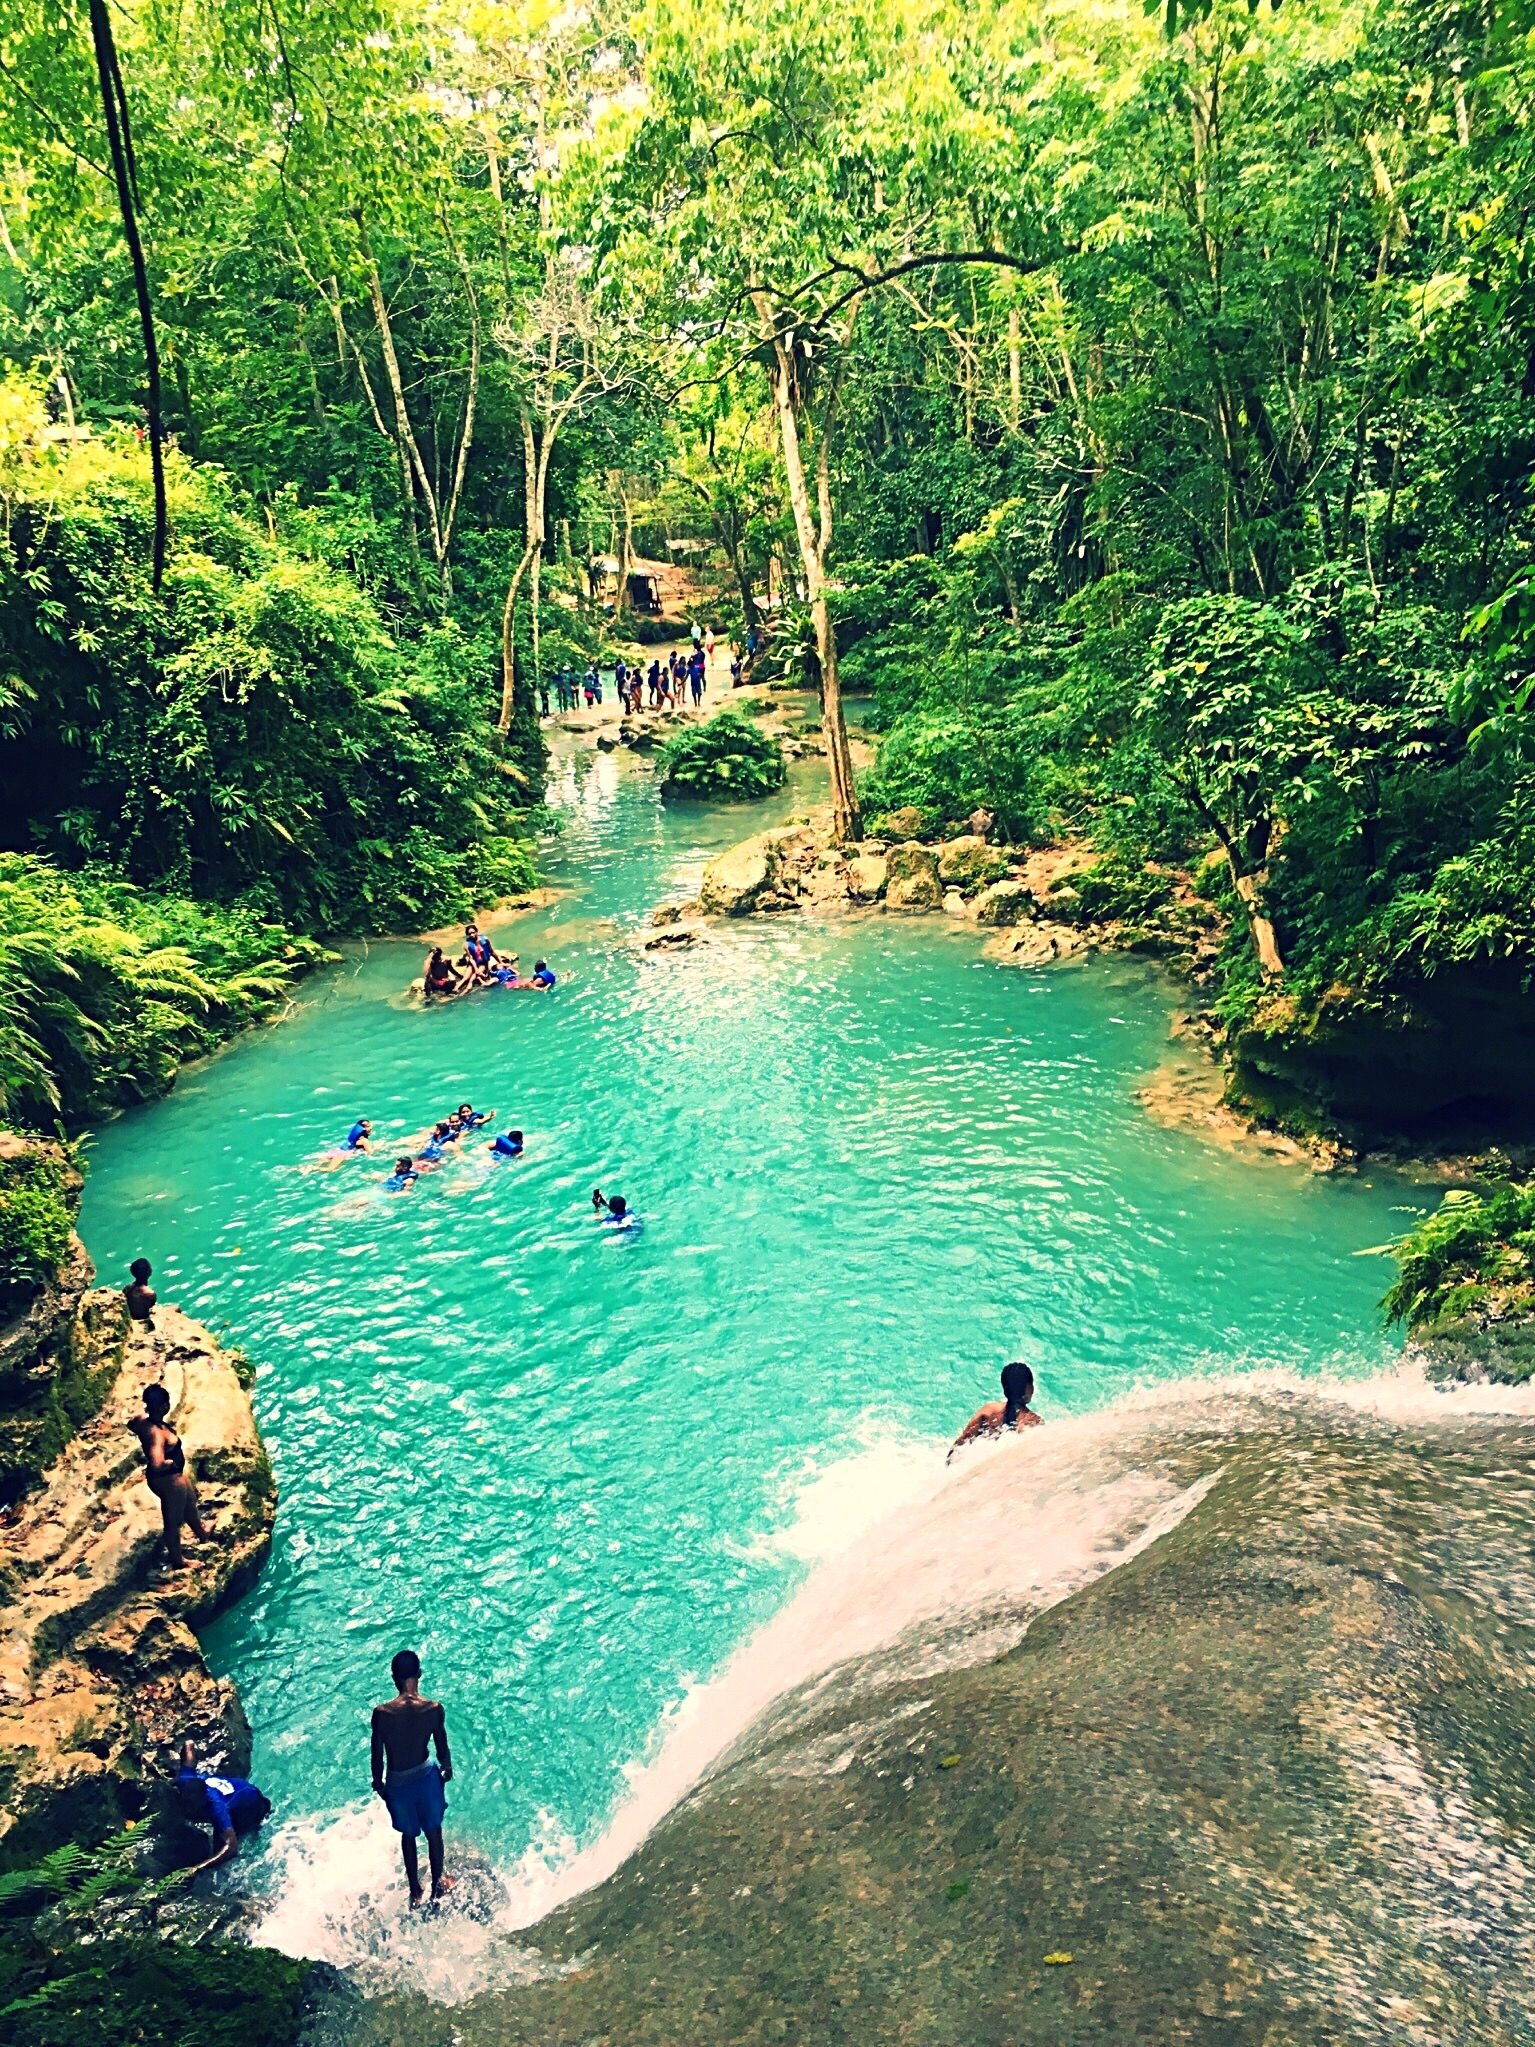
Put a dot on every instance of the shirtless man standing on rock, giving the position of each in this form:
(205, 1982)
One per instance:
(405, 1778)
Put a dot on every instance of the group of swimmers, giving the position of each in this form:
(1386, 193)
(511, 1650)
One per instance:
(479, 965)
(409, 1165)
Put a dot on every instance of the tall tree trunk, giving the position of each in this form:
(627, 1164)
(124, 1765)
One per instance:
(114, 107)
(847, 824)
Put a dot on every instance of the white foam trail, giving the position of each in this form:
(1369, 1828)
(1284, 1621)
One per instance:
(941, 1565)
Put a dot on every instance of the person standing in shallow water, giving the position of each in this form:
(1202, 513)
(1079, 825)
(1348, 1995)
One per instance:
(404, 1775)
(1012, 1411)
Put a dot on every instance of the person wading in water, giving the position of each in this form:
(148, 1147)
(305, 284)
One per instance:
(1012, 1411)
(165, 1473)
(405, 1778)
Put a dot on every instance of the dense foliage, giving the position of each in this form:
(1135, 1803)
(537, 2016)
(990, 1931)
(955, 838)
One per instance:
(36, 1211)
(727, 756)
(82, 1966)
(1473, 1252)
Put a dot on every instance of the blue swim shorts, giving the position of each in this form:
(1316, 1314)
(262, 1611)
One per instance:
(416, 1800)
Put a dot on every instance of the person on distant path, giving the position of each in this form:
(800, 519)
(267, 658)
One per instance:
(508, 1145)
(232, 1806)
(404, 1176)
(165, 1473)
(696, 679)
(735, 671)
(709, 644)
(697, 633)
(139, 1294)
(405, 1777)
(1012, 1411)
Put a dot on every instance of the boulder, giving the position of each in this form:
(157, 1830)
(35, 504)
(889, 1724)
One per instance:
(1005, 902)
(904, 823)
(912, 883)
(607, 742)
(968, 862)
(866, 876)
(734, 882)
(954, 904)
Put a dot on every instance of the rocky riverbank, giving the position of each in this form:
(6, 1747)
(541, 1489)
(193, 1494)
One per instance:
(101, 1676)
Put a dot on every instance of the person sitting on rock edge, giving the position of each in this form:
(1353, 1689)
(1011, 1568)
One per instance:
(139, 1294)
(1012, 1411)
(232, 1806)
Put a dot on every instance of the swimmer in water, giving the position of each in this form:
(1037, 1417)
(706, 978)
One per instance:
(404, 1176)
(435, 1150)
(542, 976)
(1012, 1411)
(508, 1145)
(359, 1137)
(614, 1210)
(471, 1119)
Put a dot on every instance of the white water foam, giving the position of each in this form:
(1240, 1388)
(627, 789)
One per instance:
(937, 1565)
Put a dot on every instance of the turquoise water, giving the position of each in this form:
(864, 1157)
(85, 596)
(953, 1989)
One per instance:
(871, 1167)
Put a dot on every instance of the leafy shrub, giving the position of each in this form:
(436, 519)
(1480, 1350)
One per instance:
(1471, 1247)
(106, 989)
(84, 1964)
(725, 757)
(950, 762)
(35, 1218)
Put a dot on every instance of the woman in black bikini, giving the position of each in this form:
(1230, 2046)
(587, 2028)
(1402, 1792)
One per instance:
(165, 1473)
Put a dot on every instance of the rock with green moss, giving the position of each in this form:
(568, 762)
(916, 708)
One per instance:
(1465, 1285)
(912, 878)
(968, 862)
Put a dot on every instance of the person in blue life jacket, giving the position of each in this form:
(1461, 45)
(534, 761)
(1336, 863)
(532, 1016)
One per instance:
(614, 1210)
(508, 974)
(231, 1806)
(436, 1147)
(479, 955)
(359, 1137)
(404, 1176)
(472, 1119)
(508, 1145)
(542, 976)
(405, 1729)
(696, 672)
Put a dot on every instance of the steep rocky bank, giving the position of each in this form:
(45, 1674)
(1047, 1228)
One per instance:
(101, 1676)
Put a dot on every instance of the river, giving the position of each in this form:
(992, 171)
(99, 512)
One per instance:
(579, 1473)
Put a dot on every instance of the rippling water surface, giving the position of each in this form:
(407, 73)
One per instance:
(577, 1472)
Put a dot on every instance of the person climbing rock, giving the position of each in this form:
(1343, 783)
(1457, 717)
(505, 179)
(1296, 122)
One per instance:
(165, 1473)
(404, 1775)
(232, 1806)
(1012, 1411)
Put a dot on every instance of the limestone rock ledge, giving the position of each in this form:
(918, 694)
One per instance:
(101, 1676)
